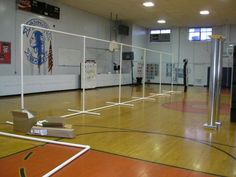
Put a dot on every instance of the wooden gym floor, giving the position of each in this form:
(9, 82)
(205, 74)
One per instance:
(164, 138)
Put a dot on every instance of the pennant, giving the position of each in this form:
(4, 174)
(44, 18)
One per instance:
(50, 58)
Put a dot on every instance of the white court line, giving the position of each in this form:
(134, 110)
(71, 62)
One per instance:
(56, 169)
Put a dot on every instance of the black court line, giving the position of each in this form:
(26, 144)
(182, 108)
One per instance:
(228, 154)
(159, 133)
(15, 153)
(127, 131)
(28, 155)
(153, 162)
(22, 172)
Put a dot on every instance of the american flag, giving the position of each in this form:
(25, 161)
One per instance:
(50, 58)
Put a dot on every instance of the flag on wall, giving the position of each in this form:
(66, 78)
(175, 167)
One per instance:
(50, 58)
(5, 52)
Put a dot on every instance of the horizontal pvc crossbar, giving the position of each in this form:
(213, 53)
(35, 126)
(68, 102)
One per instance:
(97, 39)
(56, 169)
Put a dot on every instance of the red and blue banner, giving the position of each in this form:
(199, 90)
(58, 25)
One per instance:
(5, 52)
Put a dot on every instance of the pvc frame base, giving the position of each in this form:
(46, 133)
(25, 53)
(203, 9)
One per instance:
(144, 98)
(78, 112)
(119, 104)
(218, 123)
(172, 92)
(206, 125)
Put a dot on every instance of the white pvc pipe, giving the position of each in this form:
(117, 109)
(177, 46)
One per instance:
(69, 115)
(103, 107)
(160, 73)
(84, 59)
(144, 71)
(172, 68)
(83, 79)
(86, 148)
(43, 140)
(65, 163)
(21, 67)
(102, 40)
(116, 104)
(120, 76)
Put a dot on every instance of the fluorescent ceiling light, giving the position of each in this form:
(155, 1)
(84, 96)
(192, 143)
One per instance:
(161, 21)
(204, 12)
(148, 4)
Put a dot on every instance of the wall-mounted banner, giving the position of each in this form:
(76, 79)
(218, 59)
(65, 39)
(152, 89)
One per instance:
(5, 52)
(37, 43)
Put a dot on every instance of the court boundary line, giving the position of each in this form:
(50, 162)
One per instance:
(151, 132)
(200, 142)
(62, 165)
(153, 162)
(157, 163)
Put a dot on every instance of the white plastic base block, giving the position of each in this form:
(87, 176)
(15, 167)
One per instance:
(206, 125)
(218, 123)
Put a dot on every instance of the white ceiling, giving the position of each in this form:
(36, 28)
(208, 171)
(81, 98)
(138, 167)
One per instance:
(175, 12)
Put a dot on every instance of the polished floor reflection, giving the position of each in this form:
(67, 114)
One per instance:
(168, 131)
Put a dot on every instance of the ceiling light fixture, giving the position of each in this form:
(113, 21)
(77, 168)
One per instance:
(204, 12)
(148, 4)
(161, 21)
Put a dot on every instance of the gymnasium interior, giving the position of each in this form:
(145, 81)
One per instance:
(101, 88)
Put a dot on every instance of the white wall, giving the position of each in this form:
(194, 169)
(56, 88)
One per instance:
(139, 38)
(80, 22)
(71, 20)
(198, 53)
(7, 33)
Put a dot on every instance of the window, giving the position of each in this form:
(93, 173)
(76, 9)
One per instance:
(199, 34)
(160, 35)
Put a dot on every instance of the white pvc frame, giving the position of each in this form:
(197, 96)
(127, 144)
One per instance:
(172, 91)
(84, 111)
(120, 82)
(86, 147)
(62, 165)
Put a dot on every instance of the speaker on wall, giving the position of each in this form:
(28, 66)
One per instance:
(123, 30)
(128, 55)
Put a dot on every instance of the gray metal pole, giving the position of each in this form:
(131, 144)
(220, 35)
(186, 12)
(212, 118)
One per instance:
(215, 82)
(219, 75)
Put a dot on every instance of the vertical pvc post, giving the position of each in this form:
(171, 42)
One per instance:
(160, 74)
(172, 72)
(144, 71)
(215, 82)
(21, 67)
(83, 94)
(120, 75)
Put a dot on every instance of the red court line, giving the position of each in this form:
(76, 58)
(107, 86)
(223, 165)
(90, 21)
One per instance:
(91, 164)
